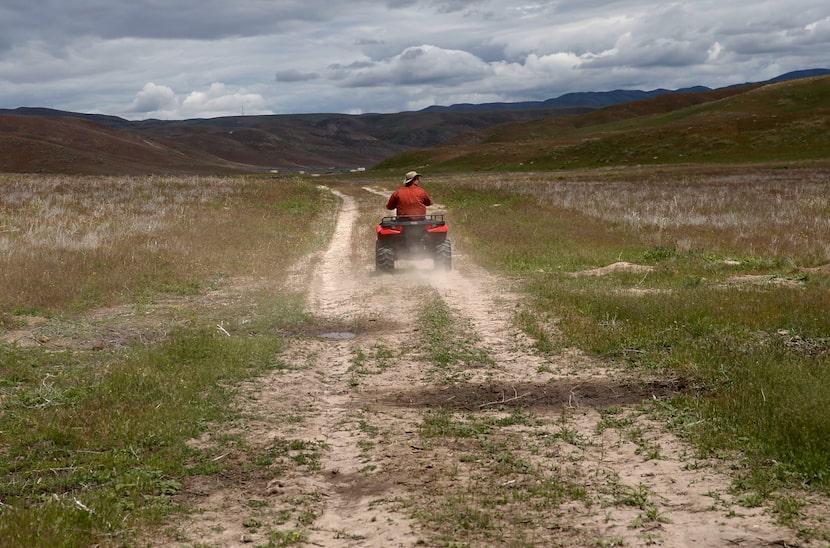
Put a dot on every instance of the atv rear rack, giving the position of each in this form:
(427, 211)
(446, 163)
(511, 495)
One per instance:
(412, 220)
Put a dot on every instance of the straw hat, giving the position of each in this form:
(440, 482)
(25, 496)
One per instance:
(410, 176)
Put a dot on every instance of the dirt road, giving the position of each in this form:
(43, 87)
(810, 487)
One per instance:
(374, 443)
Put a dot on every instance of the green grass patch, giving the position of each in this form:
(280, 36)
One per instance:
(100, 446)
(446, 342)
(505, 493)
(760, 359)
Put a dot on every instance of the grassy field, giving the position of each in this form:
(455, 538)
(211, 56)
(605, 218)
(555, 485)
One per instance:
(95, 438)
(733, 305)
(96, 441)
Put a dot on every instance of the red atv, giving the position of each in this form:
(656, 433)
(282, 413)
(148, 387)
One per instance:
(412, 237)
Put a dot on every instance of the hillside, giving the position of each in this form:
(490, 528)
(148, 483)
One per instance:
(782, 121)
(43, 140)
(72, 145)
(736, 123)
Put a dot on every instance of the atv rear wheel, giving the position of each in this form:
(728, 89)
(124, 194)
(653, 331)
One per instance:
(384, 257)
(443, 255)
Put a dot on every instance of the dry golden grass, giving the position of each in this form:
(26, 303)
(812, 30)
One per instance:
(76, 242)
(781, 215)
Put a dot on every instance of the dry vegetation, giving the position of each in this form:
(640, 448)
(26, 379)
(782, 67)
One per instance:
(783, 214)
(76, 242)
(780, 215)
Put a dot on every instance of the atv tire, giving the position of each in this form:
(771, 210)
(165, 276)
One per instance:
(443, 255)
(384, 258)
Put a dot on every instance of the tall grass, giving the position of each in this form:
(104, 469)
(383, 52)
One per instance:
(757, 355)
(781, 215)
(79, 242)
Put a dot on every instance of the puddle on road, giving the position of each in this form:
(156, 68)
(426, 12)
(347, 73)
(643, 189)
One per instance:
(339, 335)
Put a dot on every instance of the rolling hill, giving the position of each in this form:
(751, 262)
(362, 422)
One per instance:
(43, 140)
(782, 121)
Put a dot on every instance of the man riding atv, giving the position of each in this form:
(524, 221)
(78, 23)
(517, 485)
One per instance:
(410, 200)
(411, 234)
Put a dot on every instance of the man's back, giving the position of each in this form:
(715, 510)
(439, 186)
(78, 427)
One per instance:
(409, 200)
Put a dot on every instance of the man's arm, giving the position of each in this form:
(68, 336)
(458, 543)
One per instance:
(427, 201)
(393, 201)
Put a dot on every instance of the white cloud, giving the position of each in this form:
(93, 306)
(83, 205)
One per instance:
(819, 28)
(153, 99)
(714, 52)
(219, 101)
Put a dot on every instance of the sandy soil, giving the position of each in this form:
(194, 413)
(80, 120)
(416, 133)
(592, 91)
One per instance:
(353, 466)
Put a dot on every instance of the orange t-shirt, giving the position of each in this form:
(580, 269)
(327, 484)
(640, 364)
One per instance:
(409, 200)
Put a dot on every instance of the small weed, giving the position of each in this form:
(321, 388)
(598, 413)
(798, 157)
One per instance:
(252, 523)
(365, 445)
(300, 452)
(256, 503)
(279, 539)
(611, 418)
(750, 500)
(568, 435)
(789, 509)
(367, 428)
(638, 496)
(441, 423)
(282, 517)
(609, 542)
(306, 517)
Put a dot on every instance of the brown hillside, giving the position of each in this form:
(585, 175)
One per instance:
(43, 140)
(73, 145)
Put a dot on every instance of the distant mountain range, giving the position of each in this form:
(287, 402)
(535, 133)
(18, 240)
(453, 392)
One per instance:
(52, 141)
(600, 99)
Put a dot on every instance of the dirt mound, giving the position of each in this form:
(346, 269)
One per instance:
(823, 270)
(615, 267)
(760, 280)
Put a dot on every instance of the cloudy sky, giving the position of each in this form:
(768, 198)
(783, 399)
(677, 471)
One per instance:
(176, 59)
